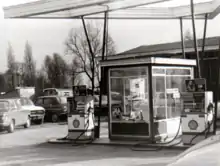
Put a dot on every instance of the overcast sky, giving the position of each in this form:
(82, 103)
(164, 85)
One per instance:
(48, 36)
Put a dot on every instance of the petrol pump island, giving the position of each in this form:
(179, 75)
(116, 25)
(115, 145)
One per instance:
(155, 98)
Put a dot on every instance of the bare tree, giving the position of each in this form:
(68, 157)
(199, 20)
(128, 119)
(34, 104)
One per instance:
(29, 74)
(56, 69)
(75, 73)
(10, 73)
(77, 45)
(10, 58)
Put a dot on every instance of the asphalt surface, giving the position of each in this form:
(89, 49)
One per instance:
(29, 147)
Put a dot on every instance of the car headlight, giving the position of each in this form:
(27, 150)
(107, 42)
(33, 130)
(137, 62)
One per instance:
(193, 125)
(65, 108)
(5, 117)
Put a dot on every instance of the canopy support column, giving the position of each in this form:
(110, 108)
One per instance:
(195, 41)
(182, 38)
(91, 52)
(217, 92)
(104, 50)
(203, 45)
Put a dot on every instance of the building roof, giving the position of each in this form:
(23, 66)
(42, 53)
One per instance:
(212, 43)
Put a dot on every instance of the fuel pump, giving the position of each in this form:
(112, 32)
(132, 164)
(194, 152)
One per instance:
(197, 112)
(80, 115)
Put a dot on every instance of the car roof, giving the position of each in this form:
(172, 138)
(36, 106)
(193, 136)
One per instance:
(7, 99)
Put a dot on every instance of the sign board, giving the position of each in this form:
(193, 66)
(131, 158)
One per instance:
(196, 85)
(176, 95)
(80, 90)
(172, 91)
(137, 87)
(26, 92)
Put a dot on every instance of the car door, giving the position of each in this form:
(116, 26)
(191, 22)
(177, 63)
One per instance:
(52, 105)
(15, 114)
(25, 105)
(23, 113)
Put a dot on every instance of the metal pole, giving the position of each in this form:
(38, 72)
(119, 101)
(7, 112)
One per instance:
(182, 38)
(102, 72)
(87, 37)
(217, 92)
(195, 40)
(151, 106)
(203, 44)
(106, 36)
(91, 52)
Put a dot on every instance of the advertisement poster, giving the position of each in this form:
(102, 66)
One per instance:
(137, 87)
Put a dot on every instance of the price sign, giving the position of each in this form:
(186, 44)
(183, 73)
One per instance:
(80, 90)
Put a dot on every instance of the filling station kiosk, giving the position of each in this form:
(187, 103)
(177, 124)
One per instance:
(149, 91)
(153, 94)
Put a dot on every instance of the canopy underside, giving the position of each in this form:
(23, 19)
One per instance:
(118, 9)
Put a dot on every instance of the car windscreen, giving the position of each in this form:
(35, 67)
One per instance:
(29, 102)
(25, 102)
(4, 105)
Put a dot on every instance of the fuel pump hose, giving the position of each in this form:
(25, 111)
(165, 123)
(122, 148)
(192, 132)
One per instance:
(210, 106)
(160, 145)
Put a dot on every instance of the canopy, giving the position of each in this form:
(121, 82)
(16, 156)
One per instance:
(126, 9)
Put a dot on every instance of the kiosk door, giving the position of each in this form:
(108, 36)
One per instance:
(160, 104)
(131, 87)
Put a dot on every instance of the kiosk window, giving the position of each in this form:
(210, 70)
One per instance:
(129, 94)
(167, 82)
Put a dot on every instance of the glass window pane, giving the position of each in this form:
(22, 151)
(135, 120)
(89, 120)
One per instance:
(137, 71)
(159, 97)
(176, 71)
(173, 104)
(131, 101)
(157, 70)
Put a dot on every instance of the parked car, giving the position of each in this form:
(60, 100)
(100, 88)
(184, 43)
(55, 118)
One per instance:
(37, 113)
(55, 107)
(12, 115)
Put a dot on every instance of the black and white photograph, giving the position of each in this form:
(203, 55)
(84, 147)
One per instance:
(109, 82)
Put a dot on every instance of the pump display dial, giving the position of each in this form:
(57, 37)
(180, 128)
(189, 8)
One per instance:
(193, 125)
(76, 123)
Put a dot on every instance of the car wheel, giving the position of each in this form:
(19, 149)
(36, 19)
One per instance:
(28, 123)
(54, 118)
(11, 127)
